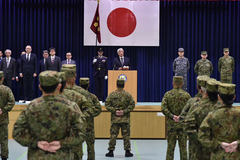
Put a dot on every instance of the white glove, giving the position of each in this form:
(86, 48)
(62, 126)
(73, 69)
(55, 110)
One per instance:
(106, 77)
(95, 60)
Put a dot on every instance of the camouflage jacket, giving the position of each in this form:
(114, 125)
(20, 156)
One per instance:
(49, 118)
(172, 104)
(221, 125)
(195, 118)
(94, 107)
(6, 103)
(82, 102)
(189, 104)
(226, 64)
(203, 67)
(181, 66)
(120, 100)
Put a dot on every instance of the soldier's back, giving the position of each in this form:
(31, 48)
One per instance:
(222, 130)
(177, 98)
(49, 118)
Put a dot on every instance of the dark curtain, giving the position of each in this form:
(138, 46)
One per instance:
(193, 25)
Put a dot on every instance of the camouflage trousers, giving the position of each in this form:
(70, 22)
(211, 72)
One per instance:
(90, 139)
(193, 146)
(77, 152)
(226, 77)
(114, 131)
(4, 140)
(172, 137)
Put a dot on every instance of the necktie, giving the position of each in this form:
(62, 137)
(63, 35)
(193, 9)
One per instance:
(28, 57)
(67, 61)
(7, 62)
(52, 59)
(121, 60)
(44, 61)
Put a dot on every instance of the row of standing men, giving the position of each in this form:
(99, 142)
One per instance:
(208, 119)
(24, 70)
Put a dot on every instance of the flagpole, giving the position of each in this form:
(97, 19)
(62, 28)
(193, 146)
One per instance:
(98, 24)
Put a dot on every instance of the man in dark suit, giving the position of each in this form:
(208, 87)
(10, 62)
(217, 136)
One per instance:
(121, 62)
(1, 56)
(8, 66)
(43, 61)
(68, 59)
(100, 73)
(28, 71)
(20, 87)
(53, 62)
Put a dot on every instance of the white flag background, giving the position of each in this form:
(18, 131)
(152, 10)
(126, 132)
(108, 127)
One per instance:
(123, 22)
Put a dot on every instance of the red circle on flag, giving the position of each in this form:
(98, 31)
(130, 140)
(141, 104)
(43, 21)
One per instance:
(121, 22)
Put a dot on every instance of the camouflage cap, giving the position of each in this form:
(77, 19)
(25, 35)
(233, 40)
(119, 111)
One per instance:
(202, 80)
(225, 49)
(226, 88)
(84, 81)
(62, 76)
(1, 74)
(69, 69)
(212, 85)
(69, 66)
(120, 81)
(49, 78)
(204, 53)
(178, 80)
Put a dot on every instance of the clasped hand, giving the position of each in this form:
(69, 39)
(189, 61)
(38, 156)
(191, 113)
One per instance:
(229, 147)
(50, 147)
(119, 112)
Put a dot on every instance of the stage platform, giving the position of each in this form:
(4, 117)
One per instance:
(147, 121)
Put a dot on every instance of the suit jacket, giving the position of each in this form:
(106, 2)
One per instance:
(42, 66)
(56, 66)
(100, 67)
(117, 63)
(9, 71)
(65, 62)
(1, 60)
(28, 67)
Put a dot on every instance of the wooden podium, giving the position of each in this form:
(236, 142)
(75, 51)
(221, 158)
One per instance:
(131, 81)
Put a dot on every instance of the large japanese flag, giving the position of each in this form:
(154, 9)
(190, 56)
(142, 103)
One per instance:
(123, 22)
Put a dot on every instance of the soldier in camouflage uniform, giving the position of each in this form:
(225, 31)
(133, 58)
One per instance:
(172, 105)
(181, 66)
(6, 104)
(226, 66)
(219, 131)
(205, 105)
(185, 110)
(90, 139)
(186, 116)
(83, 106)
(203, 66)
(120, 103)
(70, 71)
(50, 127)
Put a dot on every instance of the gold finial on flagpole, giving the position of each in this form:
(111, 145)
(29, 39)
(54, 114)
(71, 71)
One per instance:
(97, 1)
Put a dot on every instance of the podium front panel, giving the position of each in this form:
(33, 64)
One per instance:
(131, 81)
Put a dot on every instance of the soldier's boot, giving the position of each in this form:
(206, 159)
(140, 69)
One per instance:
(110, 154)
(3, 158)
(128, 154)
